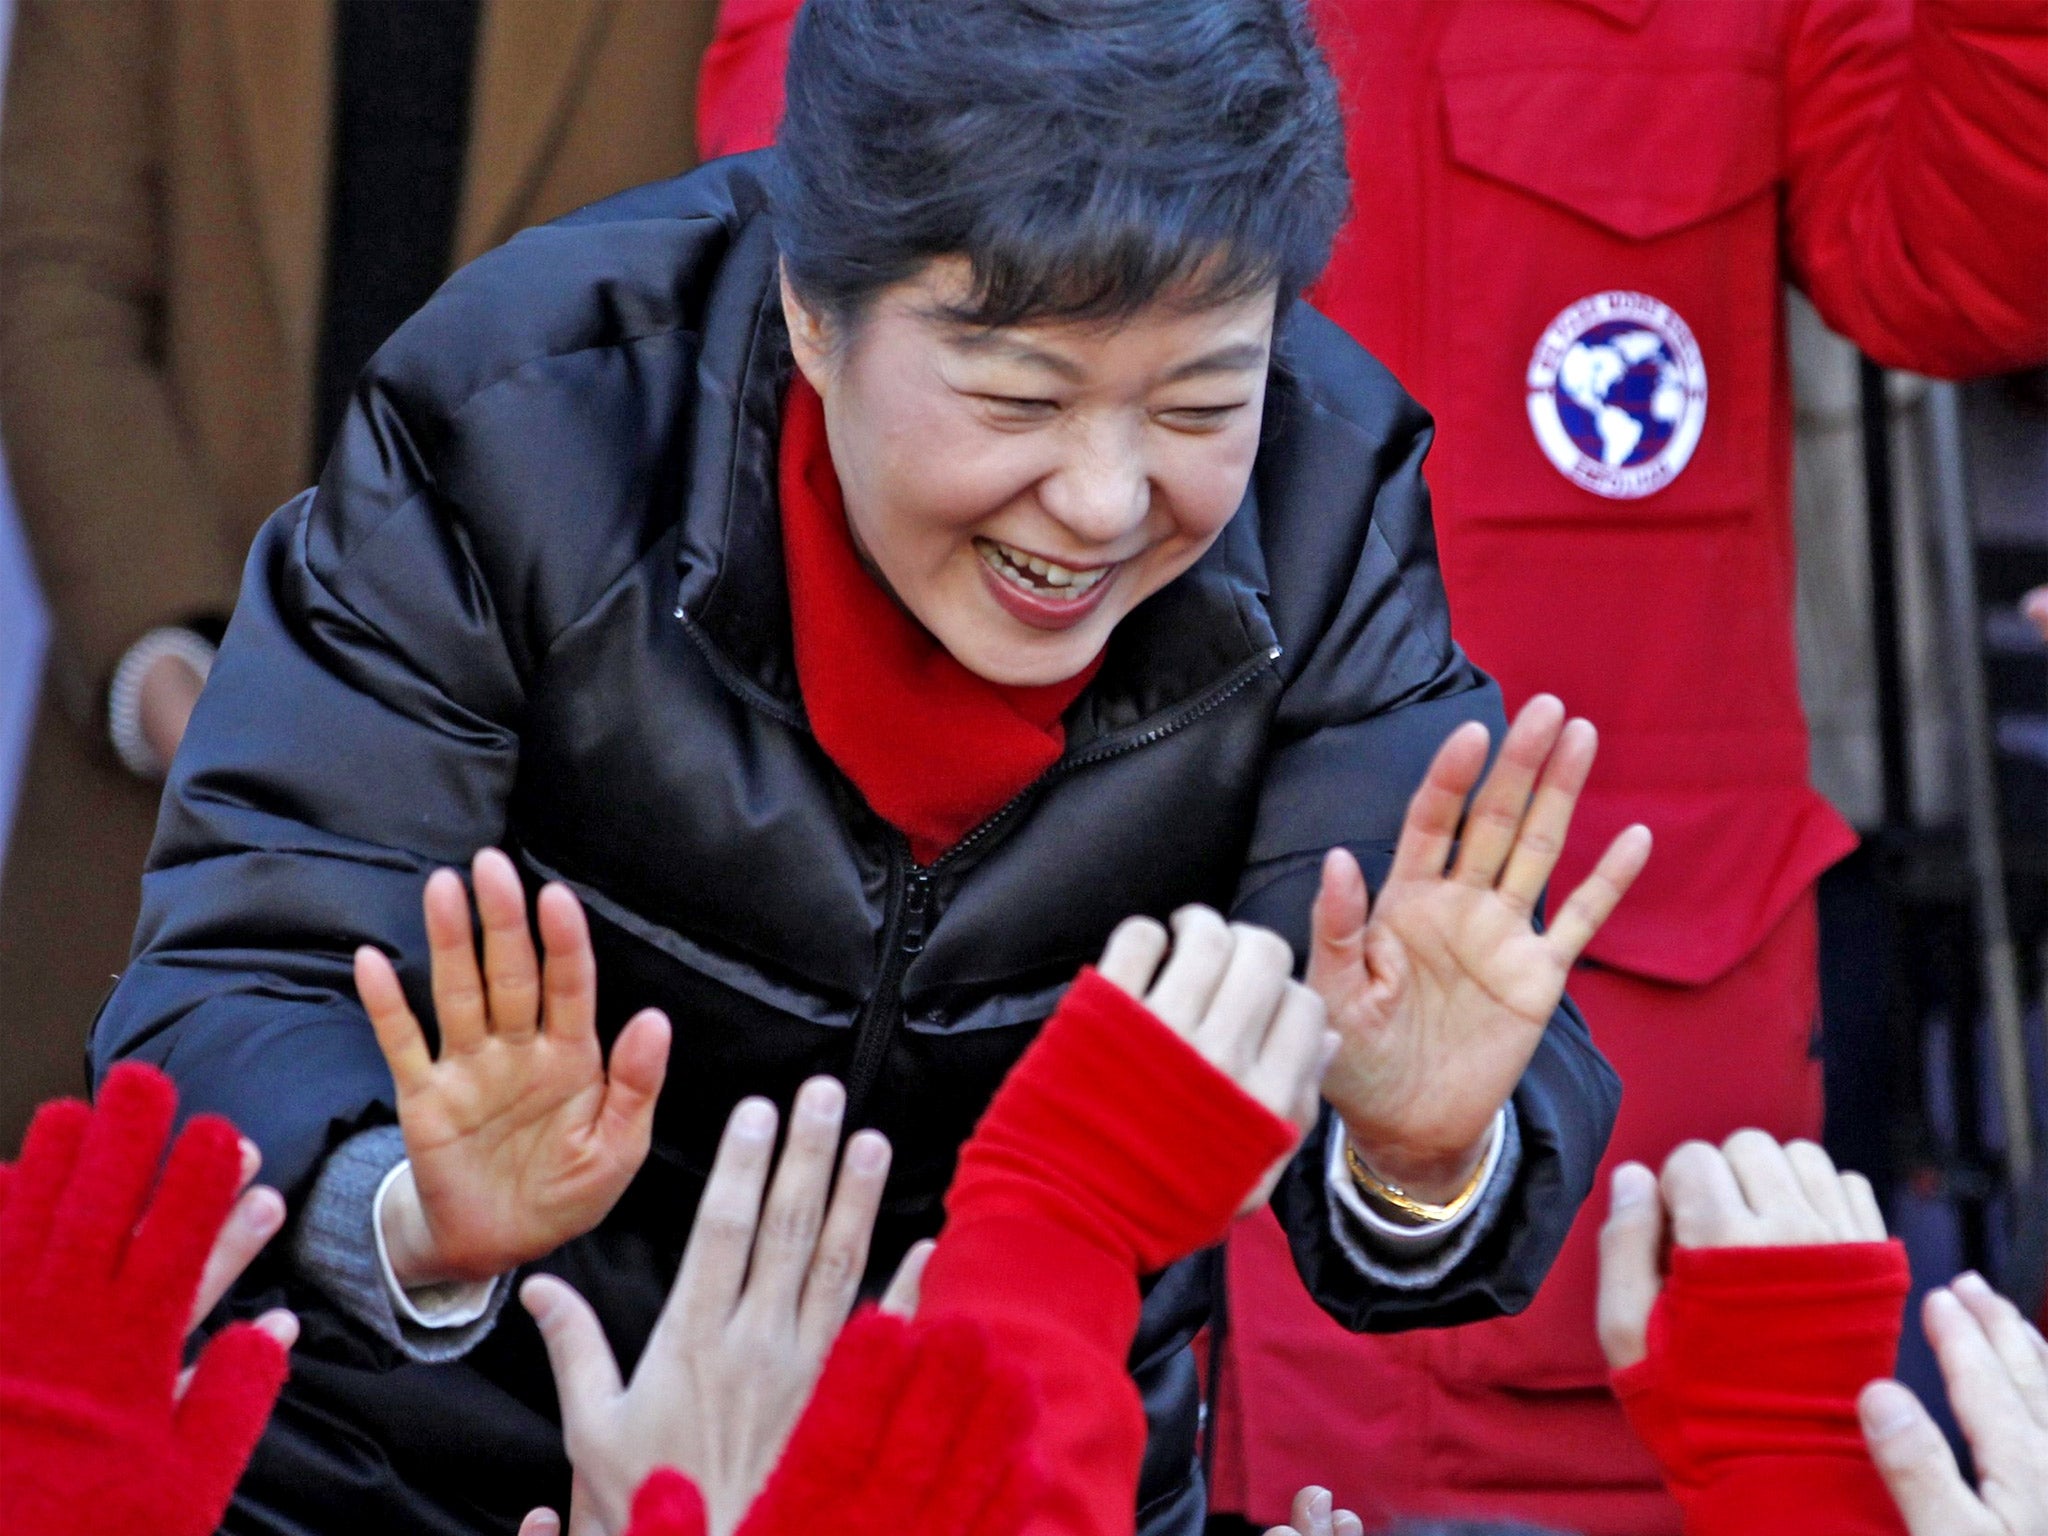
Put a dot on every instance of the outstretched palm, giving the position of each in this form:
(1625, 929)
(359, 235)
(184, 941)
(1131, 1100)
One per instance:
(519, 1141)
(1441, 992)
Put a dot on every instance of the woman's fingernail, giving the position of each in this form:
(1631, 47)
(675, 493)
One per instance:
(1632, 1185)
(822, 1098)
(867, 1153)
(1886, 1409)
(754, 1120)
(1319, 1504)
(1970, 1283)
(260, 1216)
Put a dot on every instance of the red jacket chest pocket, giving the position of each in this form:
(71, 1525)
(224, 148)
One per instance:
(1608, 308)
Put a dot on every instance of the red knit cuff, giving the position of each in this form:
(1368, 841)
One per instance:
(1116, 1120)
(1756, 1357)
(1816, 1495)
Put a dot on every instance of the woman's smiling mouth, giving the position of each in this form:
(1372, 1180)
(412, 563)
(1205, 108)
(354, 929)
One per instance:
(1042, 593)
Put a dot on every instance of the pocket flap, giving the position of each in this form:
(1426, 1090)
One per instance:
(1641, 152)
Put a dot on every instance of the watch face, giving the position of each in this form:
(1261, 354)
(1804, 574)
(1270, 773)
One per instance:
(1618, 394)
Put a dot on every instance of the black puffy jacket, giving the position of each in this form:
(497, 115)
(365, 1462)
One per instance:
(537, 600)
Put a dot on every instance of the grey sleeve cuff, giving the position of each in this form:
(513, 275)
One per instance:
(337, 1248)
(1420, 1266)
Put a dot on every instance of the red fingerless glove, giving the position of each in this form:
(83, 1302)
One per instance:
(97, 1283)
(1114, 1121)
(1747, 1397)
(913, 1428)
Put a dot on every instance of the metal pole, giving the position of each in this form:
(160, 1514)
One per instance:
(1962, 630)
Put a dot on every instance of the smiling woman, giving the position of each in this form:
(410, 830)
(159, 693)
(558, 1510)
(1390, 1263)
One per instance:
(845, 582)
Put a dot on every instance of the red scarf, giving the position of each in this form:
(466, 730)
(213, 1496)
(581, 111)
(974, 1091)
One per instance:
(935, 749)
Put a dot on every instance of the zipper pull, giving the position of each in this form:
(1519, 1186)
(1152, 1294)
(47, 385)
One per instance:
(917, 897)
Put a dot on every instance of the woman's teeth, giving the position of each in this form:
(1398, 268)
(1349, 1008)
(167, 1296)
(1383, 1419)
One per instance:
(1041, 578)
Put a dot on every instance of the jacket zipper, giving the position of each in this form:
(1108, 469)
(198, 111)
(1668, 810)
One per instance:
(910, 902)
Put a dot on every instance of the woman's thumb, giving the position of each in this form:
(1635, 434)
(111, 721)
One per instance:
(1629, 1278)
(1916, 1463)
(1337, 920)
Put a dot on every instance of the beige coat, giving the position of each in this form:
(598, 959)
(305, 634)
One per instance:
(163, 200)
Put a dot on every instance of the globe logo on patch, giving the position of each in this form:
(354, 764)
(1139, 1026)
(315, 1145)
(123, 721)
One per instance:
(1618, 394)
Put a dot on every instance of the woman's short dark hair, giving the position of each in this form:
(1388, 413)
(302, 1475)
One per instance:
(1086, 156)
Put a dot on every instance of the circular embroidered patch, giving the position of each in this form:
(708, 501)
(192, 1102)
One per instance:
(1618, 394)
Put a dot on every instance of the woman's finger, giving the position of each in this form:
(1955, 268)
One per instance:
(1865, 1213)
(254, 1221)
(586, 1375)
(1131, 958)
(842, 1256)
(1629, 1277)
(1234, 1025)
(1543, 831)
(511, 972)
(1822, 1185)
(1704, 1199)
(1336, 946)
(1313, 1511)
(638, 1068)
(1772, 1189)
(569, 1008)
(541, 1522)
(1497, 811)
(2011, 1338)
(1347, 1524)
(1438, 805)
(906, 1286)
(1980, 1389)
(1914, 1459)
(398, 1033)
(1587, 908)
(457, 985)
(795, 1210)
(714, 1265)
(1288, 1068)
(1202, 943)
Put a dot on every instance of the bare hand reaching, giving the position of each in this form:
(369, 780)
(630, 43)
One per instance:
(1441, 990)
(518, 1138)
(762, 1293)
(1228, 990)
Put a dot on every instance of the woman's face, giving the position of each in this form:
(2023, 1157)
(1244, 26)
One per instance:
(1021, 490)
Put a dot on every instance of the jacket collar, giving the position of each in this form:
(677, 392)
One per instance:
(1190, 637)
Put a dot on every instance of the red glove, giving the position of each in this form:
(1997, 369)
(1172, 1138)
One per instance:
(912, 1429)
(97, 1284)
(1747, 1397)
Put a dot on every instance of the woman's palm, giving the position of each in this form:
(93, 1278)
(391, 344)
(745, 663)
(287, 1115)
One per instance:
(1440, 994)
(518, 1139)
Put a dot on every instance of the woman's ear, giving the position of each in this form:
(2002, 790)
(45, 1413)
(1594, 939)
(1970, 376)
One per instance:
(810, 338)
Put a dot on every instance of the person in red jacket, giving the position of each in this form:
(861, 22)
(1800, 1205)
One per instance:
(1572, 223)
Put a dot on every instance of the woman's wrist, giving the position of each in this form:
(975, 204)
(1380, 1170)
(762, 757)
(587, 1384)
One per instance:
(409, 1244)
(1430, 1178)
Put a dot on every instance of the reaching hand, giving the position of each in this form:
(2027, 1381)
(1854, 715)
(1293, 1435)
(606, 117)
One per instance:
(1748, 1193)
(1228, 991)
(761, 1295)
(1314, 1514)
(109, 1254)
(1996, 1368)
(517, 1138)
(1442, 990)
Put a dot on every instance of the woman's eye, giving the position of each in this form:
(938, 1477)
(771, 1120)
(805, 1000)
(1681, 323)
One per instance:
(1199, 416)
(1022, 406)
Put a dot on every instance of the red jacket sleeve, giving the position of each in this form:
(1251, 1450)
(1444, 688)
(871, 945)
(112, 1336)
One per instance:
(739, 85)
(1917, 177)
(1747, 1397)
(1112, 1150)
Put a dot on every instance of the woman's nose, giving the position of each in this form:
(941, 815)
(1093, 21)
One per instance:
(1100, 493)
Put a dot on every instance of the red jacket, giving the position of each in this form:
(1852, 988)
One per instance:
(1517, 158)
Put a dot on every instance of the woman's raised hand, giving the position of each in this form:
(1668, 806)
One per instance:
(767, 1280)
(1228, 990)
(518, 1138)
(1442, 990)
